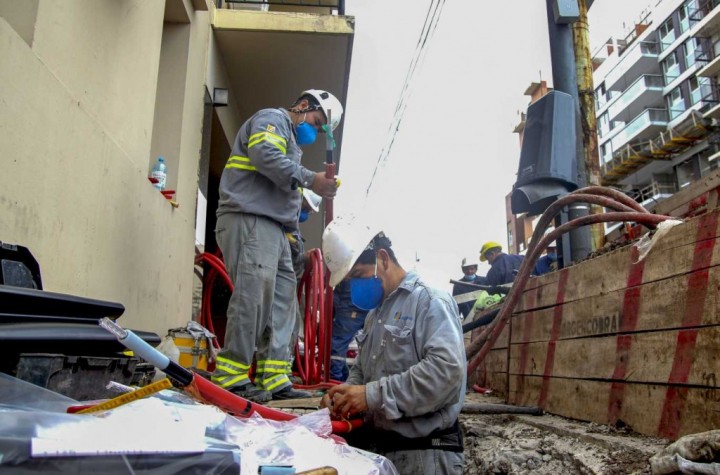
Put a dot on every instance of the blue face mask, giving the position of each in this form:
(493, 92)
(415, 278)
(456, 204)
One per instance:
(552, 256)
(306, 133)
(304, 215)
(366, 293)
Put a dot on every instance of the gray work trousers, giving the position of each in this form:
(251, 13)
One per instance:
(262, 309)
(427, 462)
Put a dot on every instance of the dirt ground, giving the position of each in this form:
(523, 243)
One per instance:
(547, 444)
(521, 444)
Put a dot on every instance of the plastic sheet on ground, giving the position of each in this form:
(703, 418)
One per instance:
(168, 433)
(694, 453)
(304, 443)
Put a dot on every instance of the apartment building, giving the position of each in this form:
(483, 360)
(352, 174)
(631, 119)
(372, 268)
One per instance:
(657, 101)
(92, 92)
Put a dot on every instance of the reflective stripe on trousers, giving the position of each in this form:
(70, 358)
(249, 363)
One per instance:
(262, 308)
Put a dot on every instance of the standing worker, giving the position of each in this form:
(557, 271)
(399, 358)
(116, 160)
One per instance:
(259, 203)
(410, 375)
(503, 268)
(469, 269)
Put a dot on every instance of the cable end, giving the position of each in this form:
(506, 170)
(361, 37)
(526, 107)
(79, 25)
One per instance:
(119, 332)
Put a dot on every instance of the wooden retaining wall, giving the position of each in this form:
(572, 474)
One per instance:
(613, 340)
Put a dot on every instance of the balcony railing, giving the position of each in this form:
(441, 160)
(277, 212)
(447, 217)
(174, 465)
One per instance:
(630, 57)
(605, 98)
(338, 5)
(642, 84)
(653, 191)
(709, 92)
(703, 7)
(638, 124)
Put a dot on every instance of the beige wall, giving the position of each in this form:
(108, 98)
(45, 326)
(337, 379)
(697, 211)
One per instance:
(231, 116)
(21, 16)
(169, 100)
(76, 130)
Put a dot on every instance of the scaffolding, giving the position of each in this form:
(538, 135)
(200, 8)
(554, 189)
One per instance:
(665, 146)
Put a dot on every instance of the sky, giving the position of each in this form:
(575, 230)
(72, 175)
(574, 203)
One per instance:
(441, 192)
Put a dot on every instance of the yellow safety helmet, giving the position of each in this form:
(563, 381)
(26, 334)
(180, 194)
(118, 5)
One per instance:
(486, 247)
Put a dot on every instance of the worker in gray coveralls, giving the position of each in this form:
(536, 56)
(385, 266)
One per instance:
(409, 378)
(259, 203)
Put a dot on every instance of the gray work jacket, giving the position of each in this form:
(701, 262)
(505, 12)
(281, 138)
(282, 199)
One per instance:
(263, 172)
(412, 361)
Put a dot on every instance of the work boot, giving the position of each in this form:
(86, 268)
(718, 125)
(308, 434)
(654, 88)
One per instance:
(252, 393)
(290, 393)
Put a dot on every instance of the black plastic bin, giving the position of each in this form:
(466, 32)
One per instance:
(79, 377)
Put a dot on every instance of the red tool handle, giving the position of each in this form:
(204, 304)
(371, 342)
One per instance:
(329, 173)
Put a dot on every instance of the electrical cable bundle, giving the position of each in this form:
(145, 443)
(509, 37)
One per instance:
(623, 208)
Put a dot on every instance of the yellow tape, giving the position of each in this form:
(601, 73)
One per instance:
(129, 397)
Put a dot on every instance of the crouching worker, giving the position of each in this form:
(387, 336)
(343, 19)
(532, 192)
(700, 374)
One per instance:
(408, 381)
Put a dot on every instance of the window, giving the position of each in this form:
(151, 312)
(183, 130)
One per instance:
(699, 89)
(684, 19)
(676, 102)
(686, 173)
(603, 125)
(600, 98)
(691, 8)
(667, 33)
(671, 68)
(605, 153)
(706, 165)
(692, 49)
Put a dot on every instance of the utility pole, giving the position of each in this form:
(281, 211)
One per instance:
(586, 95)
(564, 75)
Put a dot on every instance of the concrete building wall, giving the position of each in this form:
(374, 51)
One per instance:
(76, 122)
(21, 16)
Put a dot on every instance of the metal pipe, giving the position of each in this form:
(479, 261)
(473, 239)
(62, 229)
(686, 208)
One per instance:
(564, 76)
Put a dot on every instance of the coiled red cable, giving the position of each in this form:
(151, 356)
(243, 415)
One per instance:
(314, 365)
(217, 267)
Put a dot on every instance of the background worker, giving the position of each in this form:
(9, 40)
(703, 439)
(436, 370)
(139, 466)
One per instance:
(548, 262)
(410, 375)
(469, 268)
(503, 268)
(259, 203)
(348, 320)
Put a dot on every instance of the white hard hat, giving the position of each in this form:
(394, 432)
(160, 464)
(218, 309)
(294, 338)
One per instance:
(344, 239)
(327, 102)
(466, 262)
(312, 198)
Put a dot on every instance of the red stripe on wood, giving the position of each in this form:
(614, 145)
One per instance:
(628, 323)
(527, 331)
(554, 335)
(674, 405)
